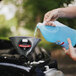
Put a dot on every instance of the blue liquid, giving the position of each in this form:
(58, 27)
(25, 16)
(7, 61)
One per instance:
(58, 34)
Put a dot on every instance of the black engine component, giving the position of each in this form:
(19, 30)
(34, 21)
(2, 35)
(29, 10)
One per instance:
(19, 61)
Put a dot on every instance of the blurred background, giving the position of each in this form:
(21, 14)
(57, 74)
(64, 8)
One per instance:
(19, 18)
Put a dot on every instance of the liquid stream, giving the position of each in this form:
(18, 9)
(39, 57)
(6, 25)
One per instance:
(35, 31)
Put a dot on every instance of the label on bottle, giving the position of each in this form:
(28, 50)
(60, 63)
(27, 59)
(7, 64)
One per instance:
(63, 44)
(59, 42)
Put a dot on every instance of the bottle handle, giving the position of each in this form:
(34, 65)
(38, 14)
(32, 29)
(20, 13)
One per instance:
(55, 30)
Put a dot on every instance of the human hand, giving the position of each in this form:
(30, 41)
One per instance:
(51, 16)
(71, 51)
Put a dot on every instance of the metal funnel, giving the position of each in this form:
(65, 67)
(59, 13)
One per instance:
(24, 45)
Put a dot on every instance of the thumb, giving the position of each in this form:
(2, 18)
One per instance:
(71, 49)
(70, 44)
(69, 41)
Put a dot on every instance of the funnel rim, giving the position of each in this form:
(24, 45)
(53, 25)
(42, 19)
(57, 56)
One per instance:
(23, 37)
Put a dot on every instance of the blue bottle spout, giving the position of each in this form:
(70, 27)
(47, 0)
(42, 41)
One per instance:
(39, 25)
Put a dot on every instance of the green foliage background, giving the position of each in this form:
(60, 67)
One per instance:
(29, 13)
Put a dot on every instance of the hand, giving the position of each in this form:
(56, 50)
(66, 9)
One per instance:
(71, 51)
(51, 16)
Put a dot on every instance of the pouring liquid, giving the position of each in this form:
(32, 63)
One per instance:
(35, 32)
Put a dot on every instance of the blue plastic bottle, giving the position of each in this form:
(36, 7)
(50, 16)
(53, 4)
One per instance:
(58, 34)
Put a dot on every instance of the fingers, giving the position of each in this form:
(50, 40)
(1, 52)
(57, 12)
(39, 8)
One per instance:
(51, 15)
(46, 16)
(50, 23)
(49, 18)
(66, 51)
(71, 51)
(70, 45)
(69, 41)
